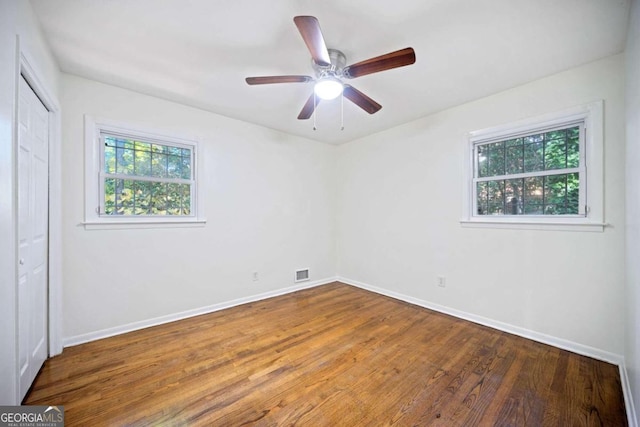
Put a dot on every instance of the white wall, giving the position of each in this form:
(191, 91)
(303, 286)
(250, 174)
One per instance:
(632, 351)
(16, 19)
(269, 208)
(399, 202)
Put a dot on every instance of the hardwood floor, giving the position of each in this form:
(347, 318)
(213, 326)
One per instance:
(333, 355)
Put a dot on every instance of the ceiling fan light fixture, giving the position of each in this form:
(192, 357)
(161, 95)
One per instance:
(328, 88)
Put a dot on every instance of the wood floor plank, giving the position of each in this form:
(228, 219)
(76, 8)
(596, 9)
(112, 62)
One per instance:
(327, 356)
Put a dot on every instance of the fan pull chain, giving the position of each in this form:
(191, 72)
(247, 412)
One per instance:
(315, 103)
(342, 110)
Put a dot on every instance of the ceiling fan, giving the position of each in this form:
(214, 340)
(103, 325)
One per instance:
(330, 70)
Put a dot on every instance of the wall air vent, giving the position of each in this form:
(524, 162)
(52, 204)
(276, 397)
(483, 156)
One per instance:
(302, 275)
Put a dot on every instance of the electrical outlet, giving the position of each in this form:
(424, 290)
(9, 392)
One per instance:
(255, 276)
(441, 281)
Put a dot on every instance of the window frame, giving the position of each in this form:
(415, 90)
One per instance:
(590, 217)
(95, 175)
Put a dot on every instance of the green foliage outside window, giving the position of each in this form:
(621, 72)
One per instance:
(130, 160)
(553, 194)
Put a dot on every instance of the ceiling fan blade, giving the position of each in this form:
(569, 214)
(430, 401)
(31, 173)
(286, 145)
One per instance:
(309, 28)
(277, 79)
(396, 59)
(360, 99)
(309, 107)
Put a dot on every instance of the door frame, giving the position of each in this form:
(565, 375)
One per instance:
(25, 68)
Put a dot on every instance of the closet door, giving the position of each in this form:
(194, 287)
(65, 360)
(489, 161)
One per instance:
(33, 233)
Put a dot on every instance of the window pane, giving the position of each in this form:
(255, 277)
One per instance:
(175, 151)
(495, 157)
(495, 197)
(561, 193)
(531, 208)
(186, 199)
(556, 134)
(573, 194)
(533, 157)
(186, 164)
(514, 190)
(158, 164)
(142, 146)
(158, 198)
(124, 160)
(531, 139)
(514, 142)
(555, 194)
(142, 162)
(119, 186)
(482, 198)
(142, 158)
(533, 188)
(109, 157)
(142, 198)
(109, 196)
(555, 187)
(174, 199)
(125, 198)
(131, 157)
(495, 209)
(171, 199)
(533, 196)
(121, 143)
(573, 148)
(118, 197)
(540, 195)
(482, 162)
(130, 197)
(514, 159)
(490, 197)
(174, 166)
(555, 154)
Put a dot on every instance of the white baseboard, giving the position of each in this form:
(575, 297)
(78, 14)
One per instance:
(117, 330)
(574, 347)
(628, 398)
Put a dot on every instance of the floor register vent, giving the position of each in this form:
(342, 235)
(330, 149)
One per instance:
(302, 275)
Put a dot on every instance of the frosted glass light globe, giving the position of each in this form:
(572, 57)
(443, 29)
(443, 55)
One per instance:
(328, 88)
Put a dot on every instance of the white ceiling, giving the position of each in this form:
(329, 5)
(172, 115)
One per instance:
(198, 52)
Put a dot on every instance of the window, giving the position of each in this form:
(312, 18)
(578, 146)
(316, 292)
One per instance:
(145, 178)
(535, 172)
(136, 177)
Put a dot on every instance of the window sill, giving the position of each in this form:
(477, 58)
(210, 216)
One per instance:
(523, 224)
(119, 224)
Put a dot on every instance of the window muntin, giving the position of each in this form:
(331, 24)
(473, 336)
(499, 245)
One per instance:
(145, 178)
(539, 173)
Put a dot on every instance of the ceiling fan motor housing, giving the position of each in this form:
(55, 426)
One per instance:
(338, 62)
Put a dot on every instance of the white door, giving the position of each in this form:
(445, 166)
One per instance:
(33, 233)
